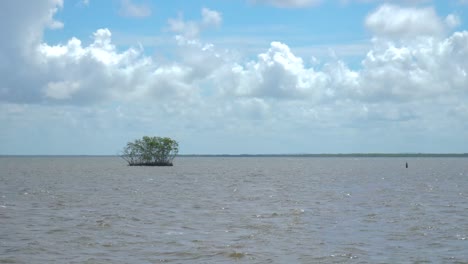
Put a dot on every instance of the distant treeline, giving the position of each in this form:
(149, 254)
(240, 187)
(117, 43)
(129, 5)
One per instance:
(348, 155)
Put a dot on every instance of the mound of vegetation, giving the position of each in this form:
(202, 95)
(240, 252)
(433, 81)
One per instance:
(150, 151)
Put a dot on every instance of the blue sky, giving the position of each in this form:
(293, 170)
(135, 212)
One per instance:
(234, 76)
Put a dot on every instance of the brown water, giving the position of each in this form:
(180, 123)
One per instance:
(234, 210)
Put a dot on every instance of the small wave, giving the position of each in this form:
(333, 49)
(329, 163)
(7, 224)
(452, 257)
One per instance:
(57, 230)
(237, 255)
(272, 215)
(103, 223)
(8, 260)
(174, 233)
(297, 211)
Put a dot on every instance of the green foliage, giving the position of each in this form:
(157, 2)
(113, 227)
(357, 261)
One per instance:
(151, 151)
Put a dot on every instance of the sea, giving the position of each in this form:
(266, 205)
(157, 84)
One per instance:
(234, 210)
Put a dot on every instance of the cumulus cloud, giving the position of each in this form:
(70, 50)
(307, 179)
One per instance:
(106, 73)
(398, 81)
(24, 23)
(192, 29)
(22, 27)
(391, 70)
(416, 71)
(188, 29)
(131, 9)
(55, 24)
(396, 22)
(278, 73)
(452, 21)
(211, 17)
(61, 90)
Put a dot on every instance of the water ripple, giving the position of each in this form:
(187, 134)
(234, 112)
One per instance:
(225, 210)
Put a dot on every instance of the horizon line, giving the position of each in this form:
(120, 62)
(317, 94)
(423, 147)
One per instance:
(357, 154)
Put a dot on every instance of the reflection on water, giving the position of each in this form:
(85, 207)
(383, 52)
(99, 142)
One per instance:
(223, 210)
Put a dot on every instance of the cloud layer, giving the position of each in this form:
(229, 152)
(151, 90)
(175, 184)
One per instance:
(415, 75)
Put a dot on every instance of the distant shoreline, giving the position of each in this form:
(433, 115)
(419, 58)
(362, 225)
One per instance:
(340, 155)
(331, 155)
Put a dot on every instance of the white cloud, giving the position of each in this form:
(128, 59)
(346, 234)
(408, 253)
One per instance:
(396, 22)
(192, 29)
(52, 23)
(22, 27)
(452, 21)
(278, 73)
(61, 90)
(390, 71)
(102, 71)
(131, 9)
(204, 89)
(211, 17)
(188, 29)
(56, 25)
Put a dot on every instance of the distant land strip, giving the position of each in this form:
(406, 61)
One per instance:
(325, 155)
(338, 155)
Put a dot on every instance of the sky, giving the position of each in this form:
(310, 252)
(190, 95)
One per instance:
(84, 77)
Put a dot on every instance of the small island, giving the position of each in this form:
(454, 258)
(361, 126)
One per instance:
(151, 151)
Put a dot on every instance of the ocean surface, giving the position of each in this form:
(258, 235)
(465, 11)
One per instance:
(234, 210)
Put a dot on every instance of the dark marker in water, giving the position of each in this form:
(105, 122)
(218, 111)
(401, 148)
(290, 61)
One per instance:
(406, 164)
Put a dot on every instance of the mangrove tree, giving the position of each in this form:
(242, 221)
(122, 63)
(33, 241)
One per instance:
(150, 151)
